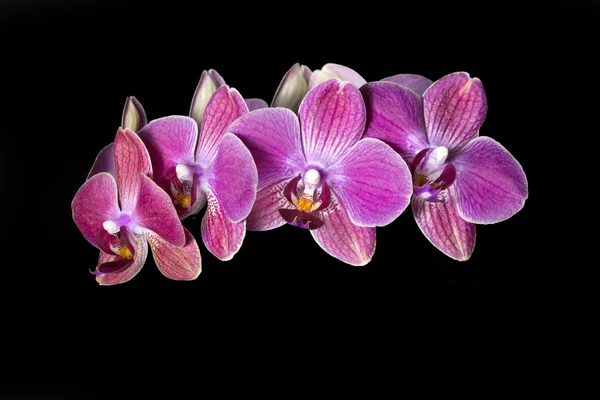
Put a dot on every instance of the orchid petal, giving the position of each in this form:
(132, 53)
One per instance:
(140, 254)
(416, 83)
(265, 212)
(395, 116)
(256, 104)
(335, 71)
(273, 137)
(155, 211)
(454, 108)
(224, 107)
(178, 263)
(207, 86)
(96, 201)
(170, 141)
(339, 237)
(234, 178)
(293, 88)
(441, 223)
(105, 162)
(221, 237)
(134, 116)
(490, 185)
(372, 182)
(131, 159)
(332, 119)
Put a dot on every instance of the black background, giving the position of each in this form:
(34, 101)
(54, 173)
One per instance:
(281, 301)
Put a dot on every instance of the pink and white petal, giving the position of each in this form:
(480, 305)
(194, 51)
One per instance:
(490, 185)
(131, 159)
(372, 182)
(441, 223)
(265, 212)
(416, 83)
(293, 88)
(105, 162)
(224, 107)
(140, 246)
(340, 238)
(332, 119)
(134, 116)
(273, 137)
(455, 107)
(221, 237)
(207, 86)
(177, 263)
(335, 71)
(155, 211)
(255, 104)
(395, 116)
(95, 202)
(233, 178)
(170, 141)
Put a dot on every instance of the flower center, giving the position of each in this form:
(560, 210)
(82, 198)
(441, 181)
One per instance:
(308, 195)
(432, 173)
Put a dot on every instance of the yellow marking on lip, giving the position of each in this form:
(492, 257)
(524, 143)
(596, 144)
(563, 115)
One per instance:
(420, 180)
(125, 252)
(303, 204)
(184, 200)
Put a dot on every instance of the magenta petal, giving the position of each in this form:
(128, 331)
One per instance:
(395, 116)
(273, 137)
(134, 116)
(301, 219)
(94, 203)
(207, 86)
(221, 237)
(416, 83)
(265, 212)
(140, 254)
(105, 162)
(339, 237)
(131, 159)
(224, 107)
(372, 182)
(443, 226)
(155, 211)
(178, 263)
(332, 119)
(455, 107)
(255, 104)
(335, 71)
(293, 88)
(490, 185)
(112, 267)
(234, 178)
(170, 141)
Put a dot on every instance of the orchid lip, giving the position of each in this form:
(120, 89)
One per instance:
(432, 173)
(113, 226)
(308, 194)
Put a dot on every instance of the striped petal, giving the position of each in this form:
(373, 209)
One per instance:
(490, 185)
(273, 137)
(181, 263)
(340, 238)
(140, 254)
(454, 107)
(372, 182)
(441, 223)
(105, 162)
(265, 212)
(395, 116)
(131, 159)
(224, 107)
(95, 202)
(332, 119)
(221, 237)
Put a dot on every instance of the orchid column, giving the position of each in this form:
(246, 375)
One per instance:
(315, 171)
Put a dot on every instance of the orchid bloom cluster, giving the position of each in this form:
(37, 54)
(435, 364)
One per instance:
(333, 154)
